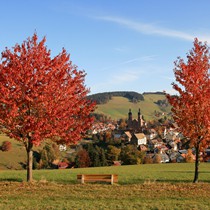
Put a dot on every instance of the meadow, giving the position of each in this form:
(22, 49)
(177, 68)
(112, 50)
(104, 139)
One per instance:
(118, 107)
(155, 186)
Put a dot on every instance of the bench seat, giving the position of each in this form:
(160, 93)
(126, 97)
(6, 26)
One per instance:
(110, 178)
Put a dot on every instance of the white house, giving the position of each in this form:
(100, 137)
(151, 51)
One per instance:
(139, 139)
(62, 147)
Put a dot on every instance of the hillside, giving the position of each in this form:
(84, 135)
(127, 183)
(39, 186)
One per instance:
(102, 98)
(152, 106)
(12, 159)
(17, 156)
(117, 107)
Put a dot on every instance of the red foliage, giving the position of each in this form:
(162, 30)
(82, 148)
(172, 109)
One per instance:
(42, 97)
(6, 146)
(82, 159)
(191, 106)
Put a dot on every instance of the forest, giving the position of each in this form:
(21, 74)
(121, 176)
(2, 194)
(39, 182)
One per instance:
(102, 98)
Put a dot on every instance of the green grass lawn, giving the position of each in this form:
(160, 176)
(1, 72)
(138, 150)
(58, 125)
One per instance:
(134, 174)
(155, 186)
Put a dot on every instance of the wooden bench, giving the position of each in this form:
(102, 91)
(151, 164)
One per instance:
(111, 178)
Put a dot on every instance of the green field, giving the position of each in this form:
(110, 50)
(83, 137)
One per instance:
(13, 158)
(118, 107)
(155, 186)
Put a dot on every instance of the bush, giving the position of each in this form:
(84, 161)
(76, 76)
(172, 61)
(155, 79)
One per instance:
(82, 159)
(148, 160)
(6, 146)
(157, 158)
(49, 153)
(96, 154)
(130, 155)
(113, 153)
(35, 163)
(189, 156)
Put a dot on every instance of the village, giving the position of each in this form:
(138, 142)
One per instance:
(129, 142)
(160, 143)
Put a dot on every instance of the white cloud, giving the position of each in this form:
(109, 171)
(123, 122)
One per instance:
(143, 58)
(133, 60)
(126, 76)
(117, 80)
(154, 30)
(121, 49)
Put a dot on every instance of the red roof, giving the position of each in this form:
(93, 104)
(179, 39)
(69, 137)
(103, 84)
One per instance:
(63, 165)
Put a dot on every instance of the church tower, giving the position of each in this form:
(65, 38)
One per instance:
(139, 118)
(135, 124)
(130, 119)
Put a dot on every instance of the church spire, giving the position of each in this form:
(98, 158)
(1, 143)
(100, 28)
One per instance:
(130, 115)
(139, 118)
(130, 119)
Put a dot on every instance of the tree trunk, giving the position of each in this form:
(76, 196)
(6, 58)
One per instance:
(29, 165)
(196, 164)
(29, 150)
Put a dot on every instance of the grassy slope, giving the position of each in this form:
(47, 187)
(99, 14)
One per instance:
(118, 107)
(11, 159)
(156, 186)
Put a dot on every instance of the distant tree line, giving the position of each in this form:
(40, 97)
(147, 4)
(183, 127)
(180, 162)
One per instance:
(162, 103)
(98, 117)
(102, 98)
(156, 93)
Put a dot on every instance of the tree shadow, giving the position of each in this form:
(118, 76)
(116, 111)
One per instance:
(161, 181)
(11, 180)
(23, 165)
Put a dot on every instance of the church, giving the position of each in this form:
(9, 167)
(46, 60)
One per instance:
(135, 125)
(135, 129)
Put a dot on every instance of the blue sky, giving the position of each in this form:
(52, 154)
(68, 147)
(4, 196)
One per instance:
(123, 45)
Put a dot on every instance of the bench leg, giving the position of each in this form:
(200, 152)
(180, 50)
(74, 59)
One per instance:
(83, 179)
(112, 179)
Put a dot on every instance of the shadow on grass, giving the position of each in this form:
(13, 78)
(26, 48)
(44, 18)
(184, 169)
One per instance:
(150, 181)
(204, 172)
(187, 172)
(11, 180)
(169, 181)
(182, 181)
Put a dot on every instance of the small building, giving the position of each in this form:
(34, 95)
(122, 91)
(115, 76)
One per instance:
(117, 163)
(128, 136)
(143, 148)
(153, 134)
(62, 147)
(63, 165)
(138, 139)
(165, 158)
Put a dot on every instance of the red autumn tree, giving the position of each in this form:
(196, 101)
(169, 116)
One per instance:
(191, 107)
(41, 97)
(82, 159)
